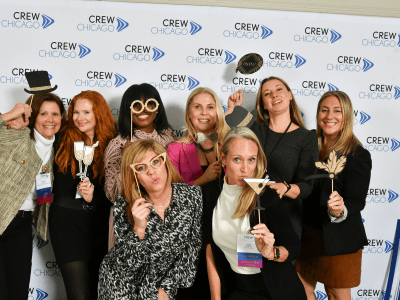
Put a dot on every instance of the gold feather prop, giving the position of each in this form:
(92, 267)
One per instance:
(333, 166)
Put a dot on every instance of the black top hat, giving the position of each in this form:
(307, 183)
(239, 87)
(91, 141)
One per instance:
(39, 82)
(241, 117)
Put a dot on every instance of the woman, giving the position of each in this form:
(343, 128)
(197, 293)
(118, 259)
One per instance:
(290, 148)
(229, 210)
(195, 155)
(157, 228)
(141, 116)
(24, 154)
(334, 234)
(79, 215)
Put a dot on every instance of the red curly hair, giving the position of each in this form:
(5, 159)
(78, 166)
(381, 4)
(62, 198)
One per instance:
(105, 130)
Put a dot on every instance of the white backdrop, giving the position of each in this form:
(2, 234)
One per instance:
(109, 46)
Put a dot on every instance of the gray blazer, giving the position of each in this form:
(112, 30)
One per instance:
(19, 165)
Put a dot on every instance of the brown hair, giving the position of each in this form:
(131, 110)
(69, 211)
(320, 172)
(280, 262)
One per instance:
(37, 102)
(248, 198)
(134, 154)
(346, 142)
(105, 130)
(295, 114)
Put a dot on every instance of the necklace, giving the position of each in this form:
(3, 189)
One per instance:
(204, 150)
(162, 206)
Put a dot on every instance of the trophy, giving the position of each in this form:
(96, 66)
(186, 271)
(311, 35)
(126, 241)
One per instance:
(88, 154)
(78, 151)
(258, 185)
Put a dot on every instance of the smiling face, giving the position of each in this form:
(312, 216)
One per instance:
(144, 120)
(83, 117)
(330, 117)
(48, 121)
(276, 97)
(155, 179)
(203, 113)
(240, 161)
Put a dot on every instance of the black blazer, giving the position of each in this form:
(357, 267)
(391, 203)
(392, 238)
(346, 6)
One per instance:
(352, 184)
(280, 279)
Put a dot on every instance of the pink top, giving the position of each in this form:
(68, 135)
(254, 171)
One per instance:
(113, 157)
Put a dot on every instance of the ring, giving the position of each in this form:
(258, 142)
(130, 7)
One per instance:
(90, 184)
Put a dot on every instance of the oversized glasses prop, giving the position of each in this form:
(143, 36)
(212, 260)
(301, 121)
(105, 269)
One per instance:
(137, 107)
(155, 163)
(85, 154)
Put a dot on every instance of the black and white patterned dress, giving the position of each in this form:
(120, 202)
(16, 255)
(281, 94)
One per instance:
(167, 257)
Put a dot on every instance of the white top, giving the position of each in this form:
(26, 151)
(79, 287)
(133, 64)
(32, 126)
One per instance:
(225, 229)
(43, 148)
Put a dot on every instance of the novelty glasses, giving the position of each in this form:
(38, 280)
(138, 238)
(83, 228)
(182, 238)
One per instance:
(151, 105)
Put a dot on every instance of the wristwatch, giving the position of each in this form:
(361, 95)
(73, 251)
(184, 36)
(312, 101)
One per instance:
(277, 254)
(288, 186)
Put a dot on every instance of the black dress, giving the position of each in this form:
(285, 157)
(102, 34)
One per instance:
(78, 234)
(292, 161)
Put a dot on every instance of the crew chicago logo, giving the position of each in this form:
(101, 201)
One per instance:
(284, 60)
(65, 50)
(176, 82)
(40, 294)
(314, 88)
(364, 294)
(101, 79)
(103, 24)
(248, 85)
(211, 56)
(139, 53)
(317, 35)
(248, 31)
(375, 196)
(361, 117)
(382, 39)
(350, 64)
(381, 92)
(378, 247)
(17, 76)
(381, 144)
(177, 27)
(28, 20)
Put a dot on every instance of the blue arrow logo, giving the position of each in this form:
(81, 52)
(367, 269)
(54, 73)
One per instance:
(157, 53)
(194, 28)
(224, 107)
(230, 57)
(192, 83)
(266, 32)
(47, 21)
(335, 36)
(363, 220)
(392, 196)
(389, 246)
(395, 144)
(299, 61)
(321, 295)
(122, 24)
(332, 87)
(397, 92)
(399, 41)
(41, 242)
(41, 294)
(83, 50)
(364, 117)
(367, 64)
(119, 80)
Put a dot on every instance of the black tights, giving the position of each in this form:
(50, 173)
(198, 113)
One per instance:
(80, 279)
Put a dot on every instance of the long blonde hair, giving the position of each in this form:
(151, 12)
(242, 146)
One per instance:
(220, 126)
(248, 198)
(133, 154)
(295, 114)
(346, 141)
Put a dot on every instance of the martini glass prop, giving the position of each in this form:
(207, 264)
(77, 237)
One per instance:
(249, 64)
(88, 154)
(258, 185)
(78, 151)
(333, 166)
